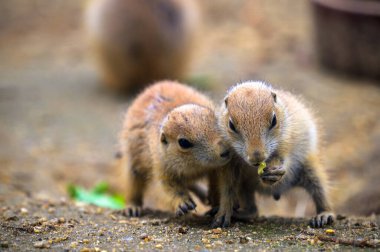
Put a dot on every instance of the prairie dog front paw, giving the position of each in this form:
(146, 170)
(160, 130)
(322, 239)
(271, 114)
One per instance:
(133, 210)
(184, 205)
(322, 219)
(272, 174)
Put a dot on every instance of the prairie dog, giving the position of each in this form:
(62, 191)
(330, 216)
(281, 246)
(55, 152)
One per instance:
(263, 124)
(170, 133)
(138, 42)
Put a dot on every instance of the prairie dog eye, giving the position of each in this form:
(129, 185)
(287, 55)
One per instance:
(184, 143)
(232, 126)
(274, 122)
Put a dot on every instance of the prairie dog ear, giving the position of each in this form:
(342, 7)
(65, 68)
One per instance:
(163, 138)
(226, 101)
(274, 95)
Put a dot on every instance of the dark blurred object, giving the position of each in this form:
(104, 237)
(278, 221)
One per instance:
(139, 42)
(348, 35)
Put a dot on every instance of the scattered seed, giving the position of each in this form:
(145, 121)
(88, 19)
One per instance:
(37, 230)
(330, 231)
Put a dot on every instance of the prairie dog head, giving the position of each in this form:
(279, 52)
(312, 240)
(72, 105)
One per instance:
(190, 140)
(251, 120)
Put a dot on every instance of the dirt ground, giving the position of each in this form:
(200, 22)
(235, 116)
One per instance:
(64, 226)
(58, 126)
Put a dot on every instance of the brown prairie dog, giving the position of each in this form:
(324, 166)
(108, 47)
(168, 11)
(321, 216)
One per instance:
(263, 124)
(170, 134)
(138, 42)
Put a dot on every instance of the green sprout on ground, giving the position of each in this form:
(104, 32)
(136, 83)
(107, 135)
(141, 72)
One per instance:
(98, 196)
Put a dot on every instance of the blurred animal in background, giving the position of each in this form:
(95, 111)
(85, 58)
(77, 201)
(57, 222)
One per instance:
(138, 42)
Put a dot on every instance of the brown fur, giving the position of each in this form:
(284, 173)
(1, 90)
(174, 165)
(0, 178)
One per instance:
(290, 148)
(154, 123)
(138, 42)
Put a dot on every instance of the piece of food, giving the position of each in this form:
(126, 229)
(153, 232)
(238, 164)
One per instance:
(330, 231)
(97, 196)
(261, 168)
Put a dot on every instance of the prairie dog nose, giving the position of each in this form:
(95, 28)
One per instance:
(223, 148)
(225, 154)
(256, 158)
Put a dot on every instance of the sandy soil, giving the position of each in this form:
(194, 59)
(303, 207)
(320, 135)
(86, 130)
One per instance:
(64, 226)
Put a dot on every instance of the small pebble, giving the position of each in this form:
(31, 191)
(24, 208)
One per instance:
(9, 215)
(183, 230)
(158, 246)
(4, 244)
(218, 243)
(143, 236)
(214, 236)
(205, 241)
(73, 244)
(217, 230)
(41, 244)
(24, 211)
(54, 221)
(243, 240)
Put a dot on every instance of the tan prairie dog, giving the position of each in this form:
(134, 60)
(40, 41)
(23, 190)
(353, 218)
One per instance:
(170, 134)
(138, 42)
(263, 124)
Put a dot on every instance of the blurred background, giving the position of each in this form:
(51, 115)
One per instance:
(65, 63)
